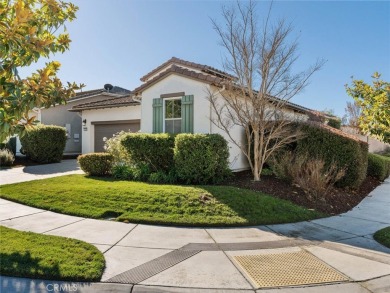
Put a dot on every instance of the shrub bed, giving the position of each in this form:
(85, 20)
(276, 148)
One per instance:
(378, 166)
(44, 143)
(335, 147)
(96, 164)
(150, 151)
(201, 158)
(10, 145)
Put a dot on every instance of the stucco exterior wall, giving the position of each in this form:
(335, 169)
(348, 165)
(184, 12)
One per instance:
(106, 114)
(59, 115)
(202, 111)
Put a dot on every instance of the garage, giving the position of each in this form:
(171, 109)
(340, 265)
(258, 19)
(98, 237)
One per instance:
(109, 128)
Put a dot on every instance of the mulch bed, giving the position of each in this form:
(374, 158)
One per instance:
(337, 201)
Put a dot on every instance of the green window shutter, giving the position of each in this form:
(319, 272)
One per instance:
(187, 114)
(157, 115)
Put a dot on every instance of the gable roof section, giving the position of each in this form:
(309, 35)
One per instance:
(201, 67)
(212, 76)
(180, 71)
(90, 93)
(109, 103)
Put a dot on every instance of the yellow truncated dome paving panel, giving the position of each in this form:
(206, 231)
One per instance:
(287, 269)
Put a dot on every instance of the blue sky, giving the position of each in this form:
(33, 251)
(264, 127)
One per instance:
(119, 41)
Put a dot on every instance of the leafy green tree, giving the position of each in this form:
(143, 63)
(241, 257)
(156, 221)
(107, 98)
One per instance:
(29, 30)
(374, 101)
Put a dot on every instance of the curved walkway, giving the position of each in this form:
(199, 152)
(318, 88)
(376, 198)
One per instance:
(145, 258)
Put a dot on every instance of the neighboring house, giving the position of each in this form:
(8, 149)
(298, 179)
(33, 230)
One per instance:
(102, 119)
(173, 99)
(374, 145)
(59, 115)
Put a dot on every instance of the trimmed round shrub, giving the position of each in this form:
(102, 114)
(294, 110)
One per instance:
(378, 166)
(44, 143)
(6, 157)
(201, 158)
(96, 164)
(153, 150)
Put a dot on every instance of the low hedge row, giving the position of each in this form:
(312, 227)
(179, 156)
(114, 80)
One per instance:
(322, 142)
(333, 146)
(44, 143)
(378, 166)
(163, 158)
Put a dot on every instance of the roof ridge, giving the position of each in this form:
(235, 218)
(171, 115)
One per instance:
(125, 100)
(199, 66)
(181, 71)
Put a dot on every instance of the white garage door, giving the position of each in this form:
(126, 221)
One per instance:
(108, 129)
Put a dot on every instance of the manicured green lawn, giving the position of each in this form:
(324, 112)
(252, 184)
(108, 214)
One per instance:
(383, 236)
(31, 255)
(157, 204)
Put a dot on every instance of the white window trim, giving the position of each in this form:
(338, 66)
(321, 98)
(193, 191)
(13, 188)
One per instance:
(170, 119)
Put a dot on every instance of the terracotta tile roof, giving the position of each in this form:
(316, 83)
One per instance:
(204, 68)
(214, 77)
(85, 94)
(109, 103)
(334, 130)
(181, 71)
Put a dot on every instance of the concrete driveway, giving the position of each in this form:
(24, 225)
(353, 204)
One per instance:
(22, 174)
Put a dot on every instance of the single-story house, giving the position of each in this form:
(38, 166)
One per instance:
(59, 115)
(172, 98)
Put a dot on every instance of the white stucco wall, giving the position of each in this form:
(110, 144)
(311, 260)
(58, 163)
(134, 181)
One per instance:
(202, 124)
(106, 114)
(202, 113)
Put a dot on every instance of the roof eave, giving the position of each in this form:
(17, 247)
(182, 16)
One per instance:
(104, 106)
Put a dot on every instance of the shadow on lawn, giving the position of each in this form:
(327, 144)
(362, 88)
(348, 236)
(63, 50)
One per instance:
(18, 264)
(45, 169)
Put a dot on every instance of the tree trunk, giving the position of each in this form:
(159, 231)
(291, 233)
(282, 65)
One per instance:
(256, 173)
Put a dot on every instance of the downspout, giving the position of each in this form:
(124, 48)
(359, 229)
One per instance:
(211, 111)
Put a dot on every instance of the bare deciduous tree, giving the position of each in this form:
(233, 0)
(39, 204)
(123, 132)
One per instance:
(261, 58)
(352, 114)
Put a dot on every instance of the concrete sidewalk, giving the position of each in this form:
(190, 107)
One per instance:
(146, 258)
(22, 174)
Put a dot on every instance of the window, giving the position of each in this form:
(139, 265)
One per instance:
(172, 116)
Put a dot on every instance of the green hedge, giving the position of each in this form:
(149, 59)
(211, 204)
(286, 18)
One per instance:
(332, 145)
(96, 164)
(155, 151)
(44, 143)
(335, 123)
(378, 166)
(201, 158)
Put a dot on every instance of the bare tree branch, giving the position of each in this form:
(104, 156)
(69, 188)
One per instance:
(261, 59)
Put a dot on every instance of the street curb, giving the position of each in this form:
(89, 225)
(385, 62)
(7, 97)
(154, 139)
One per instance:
(24, 285)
